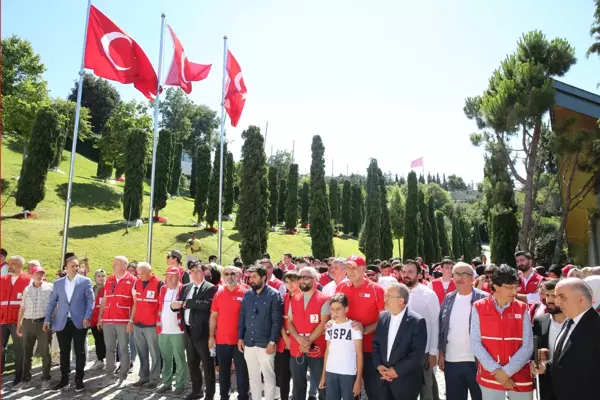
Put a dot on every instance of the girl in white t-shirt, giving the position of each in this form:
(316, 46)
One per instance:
(342, 375)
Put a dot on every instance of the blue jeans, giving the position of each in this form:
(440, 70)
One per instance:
(299, 366)
(460, 380)
(226, 354)
(338, 386)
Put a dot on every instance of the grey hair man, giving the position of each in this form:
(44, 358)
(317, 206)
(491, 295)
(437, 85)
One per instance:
(338, 274)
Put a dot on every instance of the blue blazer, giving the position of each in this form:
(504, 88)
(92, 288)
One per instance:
(80, 307)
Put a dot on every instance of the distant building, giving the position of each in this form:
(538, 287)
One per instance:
(466, 196)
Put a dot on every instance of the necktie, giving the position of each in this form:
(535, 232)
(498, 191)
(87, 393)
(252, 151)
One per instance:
(559, 346)
(195, 292)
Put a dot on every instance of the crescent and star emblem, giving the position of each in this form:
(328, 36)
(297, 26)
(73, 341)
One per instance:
(183, 67)
(237, 81)
(106, 40)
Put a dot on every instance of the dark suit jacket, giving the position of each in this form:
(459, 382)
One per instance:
(576, 375)
(407, 354)
(199, 307)
(541, 329)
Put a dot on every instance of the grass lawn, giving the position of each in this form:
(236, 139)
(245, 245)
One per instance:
(97, 228)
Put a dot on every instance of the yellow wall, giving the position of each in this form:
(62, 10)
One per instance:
(578, 234)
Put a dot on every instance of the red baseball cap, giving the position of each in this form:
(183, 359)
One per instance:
(35, 270)
(172, 271)
(357, 261)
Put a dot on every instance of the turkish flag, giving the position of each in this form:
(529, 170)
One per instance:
(183, 72)
(114, 55)
(235, 90)
(417, 163)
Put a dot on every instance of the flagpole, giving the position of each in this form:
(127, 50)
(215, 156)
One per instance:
(266, 131)
(220, 237)
(75, 136)
(155, 137)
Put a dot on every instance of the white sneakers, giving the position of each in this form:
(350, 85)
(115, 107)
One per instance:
(97, 365)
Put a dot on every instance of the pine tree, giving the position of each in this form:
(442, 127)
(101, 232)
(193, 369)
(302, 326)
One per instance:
(321, 231)
(274, 196)
(442, 236)
(372, 228)
(212, 208)
(434, 231)
(386, 241)
(333, 199)
(283, 193)
(347, 207)
(203, 172)
(305, 203)
(176, 169)
(358, 207)
(456, 239)
(31, 187)
(291, 211)
(254, 197)
(135, 170)
(429, 254)
(229, 183)
(411, 220)
(161, 179)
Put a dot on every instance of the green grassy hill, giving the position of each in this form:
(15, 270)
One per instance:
(97, 228)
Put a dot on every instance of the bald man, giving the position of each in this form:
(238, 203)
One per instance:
(575, 364)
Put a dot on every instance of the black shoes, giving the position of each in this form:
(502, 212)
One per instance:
(61, 385)
(79, 386)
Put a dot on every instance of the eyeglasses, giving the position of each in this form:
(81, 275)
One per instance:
(387, 296)
(306, 278)
(229, 274)
(462, 275)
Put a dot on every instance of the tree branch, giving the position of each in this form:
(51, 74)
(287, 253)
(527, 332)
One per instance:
(508, 160)
(583, 192)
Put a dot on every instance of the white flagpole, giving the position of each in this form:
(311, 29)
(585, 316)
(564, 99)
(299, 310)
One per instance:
(155, 137)
(266, 131)
(220, 237)
(75, 136)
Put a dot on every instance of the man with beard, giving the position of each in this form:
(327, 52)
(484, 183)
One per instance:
(307, 316)
(259, 329)
(530, 280)
(424, 302)
(547, 327)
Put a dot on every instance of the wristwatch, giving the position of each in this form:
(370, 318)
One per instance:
(131, 321)
(272, 343)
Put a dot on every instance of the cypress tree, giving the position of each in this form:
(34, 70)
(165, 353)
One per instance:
(193, 176)
(372, 229)
(119, 171)
(465, 236)
(429, 253)
(357, 203)
(31, 187)
(347, 208)
(456, 239)
(254, 197)
(411, 218)
(161, 179)
(475, 241)
(321, 231)
(421, 251)
(386, 241)
(274, 196)
(176, 169)
(305, 204)
(202, 175)
(212, 209)
(442, 236)
(283, 193)
(421, 179)
(434, 230)
(504, 237)
(333, 199)
(170, 167)
(291, 212)
(135, 170)
(104, 169)
(229, 183)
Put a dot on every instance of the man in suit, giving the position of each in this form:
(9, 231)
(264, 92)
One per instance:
(73, 299)
(575, 363)
(399, 347)
(194, 304)
(547, 327)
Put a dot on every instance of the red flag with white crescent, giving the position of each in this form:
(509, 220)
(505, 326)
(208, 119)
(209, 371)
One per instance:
(235, 90)
(114, 55)
(183, 72)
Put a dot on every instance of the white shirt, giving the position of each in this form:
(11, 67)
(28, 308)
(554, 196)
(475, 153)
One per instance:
(13, 279)
(386, 281)
(329, 289)
(186, 313)
(395, 321)
(445, 284)
(282, 288)
(575, 322)
(168, 318)
(424, 302)
(458, 348)
(342, 349)
(532, 298)
(69, 288)
(555, 328)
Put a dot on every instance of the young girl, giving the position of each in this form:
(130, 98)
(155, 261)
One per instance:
(342, 375)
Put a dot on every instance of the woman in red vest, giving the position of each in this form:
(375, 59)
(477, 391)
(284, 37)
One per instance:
(100, 279)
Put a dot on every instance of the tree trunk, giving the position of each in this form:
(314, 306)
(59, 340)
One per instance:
(560, 234)
(399, 249)
(529, 200)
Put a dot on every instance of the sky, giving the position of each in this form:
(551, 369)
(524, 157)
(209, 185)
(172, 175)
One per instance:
(383, 79)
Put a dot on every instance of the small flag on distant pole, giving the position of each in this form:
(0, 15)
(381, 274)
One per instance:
(417, 163)
(183, 71)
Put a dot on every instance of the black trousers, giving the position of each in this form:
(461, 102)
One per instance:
(227, 354)
(100, 346)
(18, 349)
(197, 351)
(283, 374)
(70, 334)
(370, 377)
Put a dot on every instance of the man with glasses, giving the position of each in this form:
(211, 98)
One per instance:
(502, 340)
(455, 356)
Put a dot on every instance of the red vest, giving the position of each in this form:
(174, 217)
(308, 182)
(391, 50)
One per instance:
(502, 336)
(146, 301)
(438, 287)
(11, 297)
(305, 322)
(286, 308)
(532, 284)
(96, 310)
(275, 284)
(118, 299)
(161, 302)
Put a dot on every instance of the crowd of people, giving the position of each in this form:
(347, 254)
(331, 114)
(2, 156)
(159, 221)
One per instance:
(329, 329)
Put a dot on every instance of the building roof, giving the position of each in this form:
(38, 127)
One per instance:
(578, 100)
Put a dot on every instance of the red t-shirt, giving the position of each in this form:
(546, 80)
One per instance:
(324, 279)
(364, 304)
(227, 303)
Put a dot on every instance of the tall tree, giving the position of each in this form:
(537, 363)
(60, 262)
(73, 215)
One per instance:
(421, 179)
(291, 210)
(229, 183)
(386, 241)
(176, 168)
(429, 253)
(203, 172)
(465, 236)
(212, 209)
(437, 251)
(321, 231)
(193, 175)
(66, 110)
(358, 209)
(411, 218)
(305, 204)
(283, 193)
(274, 197)
(372, 227)
(456, 238)
(254, 197)
(442, 236)
(31, 188)
(333, 199)
(176, 110)
(136, 155)
(282, 159)
(161, 179)
(347, 207)
(397, 217)
(511, 110)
